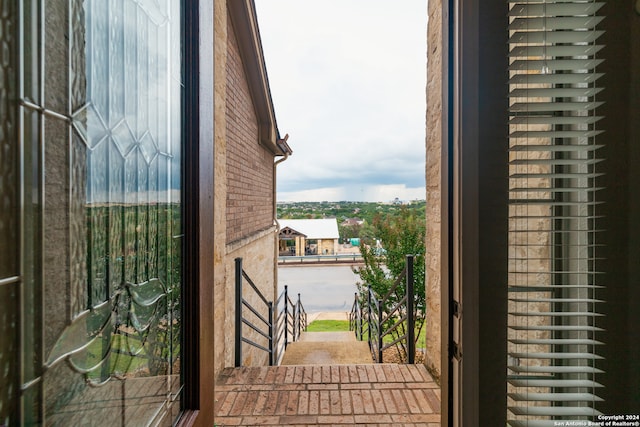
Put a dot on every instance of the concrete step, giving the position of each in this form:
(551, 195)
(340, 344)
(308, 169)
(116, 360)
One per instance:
(327, 348)
(327, 336)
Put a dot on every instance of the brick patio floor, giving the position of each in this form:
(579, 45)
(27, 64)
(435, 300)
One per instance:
(365, 395)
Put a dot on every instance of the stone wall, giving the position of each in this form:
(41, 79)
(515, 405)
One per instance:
(220, 299)
(259, 262)
(433, 182)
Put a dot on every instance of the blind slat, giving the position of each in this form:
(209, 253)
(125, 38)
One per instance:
(554, 106)
(553, 120)
(555, 162)
(555, 411)
(555, 9)
(559, 341)
(555, 64)
(581, 328)
(554, 92)
(553, 210)
(554, 369)
(554, 383)
(555, 23)
(576, 78)
(556, 300)
(554, 51)
(543, 37)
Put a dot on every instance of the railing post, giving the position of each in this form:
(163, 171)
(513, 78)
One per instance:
(238, 314)
(354, 318)
(359, 314)
(306, 323)
(294, 324)
(369, 316)
(379, 331)
(286, 316)
(271, 346)
(299, 316)
(411, 344)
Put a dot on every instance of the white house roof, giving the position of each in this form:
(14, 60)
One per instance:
(313, 228)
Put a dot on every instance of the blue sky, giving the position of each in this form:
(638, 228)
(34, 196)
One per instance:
(348, 81)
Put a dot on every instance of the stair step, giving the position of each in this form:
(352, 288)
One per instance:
(327, 353)
(327, 336)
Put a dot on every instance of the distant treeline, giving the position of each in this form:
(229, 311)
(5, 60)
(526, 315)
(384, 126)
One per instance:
(344, 210)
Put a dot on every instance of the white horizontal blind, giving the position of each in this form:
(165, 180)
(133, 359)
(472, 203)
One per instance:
(553, 211)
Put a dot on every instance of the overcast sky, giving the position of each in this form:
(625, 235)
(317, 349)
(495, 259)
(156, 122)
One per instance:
(348, 82)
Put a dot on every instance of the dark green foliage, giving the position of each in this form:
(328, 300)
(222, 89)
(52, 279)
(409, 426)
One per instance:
(399, 234)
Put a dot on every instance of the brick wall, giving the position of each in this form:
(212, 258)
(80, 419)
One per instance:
(249, 164)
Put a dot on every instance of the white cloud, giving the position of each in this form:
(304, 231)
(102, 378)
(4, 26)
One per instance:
(368, 193)
(348, 83)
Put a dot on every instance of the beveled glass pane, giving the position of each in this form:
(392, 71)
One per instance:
(63, 227)
(9, 352)
(143, 73)
(9, 168)
(112, 280)
(97, 217)
(131, 65)
(31, 50)
(56, 56)
(77, 57)
(116, 61)
(98, 53)
(78, 227)
(31, 254)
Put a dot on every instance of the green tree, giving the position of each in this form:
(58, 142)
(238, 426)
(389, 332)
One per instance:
(349, 231)
(400, 233)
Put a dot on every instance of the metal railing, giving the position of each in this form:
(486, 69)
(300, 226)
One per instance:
(356, 323)
(372, 318)
(291, 259)
(291, 321)
(278, 330)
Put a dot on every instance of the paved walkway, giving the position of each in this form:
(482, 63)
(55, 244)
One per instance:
(327, 348)
(372, 395)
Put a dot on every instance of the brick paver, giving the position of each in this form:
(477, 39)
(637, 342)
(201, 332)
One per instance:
(372, 395)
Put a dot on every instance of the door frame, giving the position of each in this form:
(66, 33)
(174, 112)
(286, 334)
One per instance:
(474, 219)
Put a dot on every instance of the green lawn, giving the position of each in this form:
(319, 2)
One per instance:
(343, 325)
(328, 326)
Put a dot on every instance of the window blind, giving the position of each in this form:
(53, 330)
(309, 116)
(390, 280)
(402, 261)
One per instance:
(553, 335)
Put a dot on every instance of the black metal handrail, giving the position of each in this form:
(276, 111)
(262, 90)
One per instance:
(291, 321)
(374, 316)
(278, 329)
(265, 329)
(355, 318)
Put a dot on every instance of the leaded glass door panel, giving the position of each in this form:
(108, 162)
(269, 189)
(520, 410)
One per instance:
(94, 129)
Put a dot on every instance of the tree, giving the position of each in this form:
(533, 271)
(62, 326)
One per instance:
(349, 231)
(399, 234)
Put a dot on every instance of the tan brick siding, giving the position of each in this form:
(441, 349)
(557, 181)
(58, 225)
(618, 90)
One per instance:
(249, 164)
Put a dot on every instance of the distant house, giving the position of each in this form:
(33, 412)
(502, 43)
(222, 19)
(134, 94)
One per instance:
(352, 222)
(300, 237)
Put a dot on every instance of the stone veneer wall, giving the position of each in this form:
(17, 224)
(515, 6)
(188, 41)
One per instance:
(259, 261)
(433, 182)
(220, 188)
